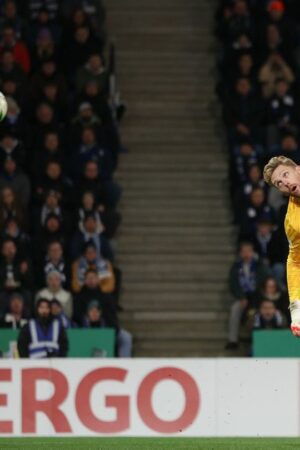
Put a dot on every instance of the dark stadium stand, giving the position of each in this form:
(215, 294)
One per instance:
(258, 88)
(59, 148)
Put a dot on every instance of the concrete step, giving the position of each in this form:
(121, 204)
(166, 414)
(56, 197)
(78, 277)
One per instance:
(180, 258)
(152, 273)
(175, 245)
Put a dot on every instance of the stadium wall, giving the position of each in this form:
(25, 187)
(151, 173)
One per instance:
(150, 397)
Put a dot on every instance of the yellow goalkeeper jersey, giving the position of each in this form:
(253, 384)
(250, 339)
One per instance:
(292, 229)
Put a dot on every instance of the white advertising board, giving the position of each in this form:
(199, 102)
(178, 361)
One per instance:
(149, 397)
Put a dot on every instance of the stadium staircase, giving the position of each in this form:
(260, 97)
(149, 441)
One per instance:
(175, 244)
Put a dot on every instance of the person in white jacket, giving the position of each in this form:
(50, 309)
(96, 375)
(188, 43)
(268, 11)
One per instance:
(54, 290)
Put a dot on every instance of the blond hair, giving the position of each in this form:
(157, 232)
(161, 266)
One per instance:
(275, 162)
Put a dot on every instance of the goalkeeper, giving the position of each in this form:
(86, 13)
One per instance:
(284, 174)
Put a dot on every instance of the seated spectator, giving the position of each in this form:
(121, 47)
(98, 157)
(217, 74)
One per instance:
(43, 48)
(77, 49)
(273, 69)
(54, 290)
(12, 18)
(97, 98)
(273, 42)
(13, 176)
(51, 231)
(255, 210)
(288, 147)
(242, 158)
(91, 234)
(53, 180)
(13, 121)
(246, 274)
(95, 319)
(277, 17)
(15, 274)
(91, 291)
(268, 317)
(50, 206)
(88, 206)
(90, 260)
(50, 151)
(43, 21)
(243, 112)
(16, 316)
(11, 208)
(48, 72)
(107, 193)
(271, 291)
(11, 147)
(237, 21)
(17, 47)
(58, 313)
(11, 70)
(44, 121)
(43, 336)
(93, 70)
(83, 12)
(90, 149)
(241, 194)
(281, 113)
(51, 95)
(22, 240)
(54, 261)
(35, 6)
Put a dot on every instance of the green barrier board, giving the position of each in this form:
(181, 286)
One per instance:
(82, 343)
(275, 343)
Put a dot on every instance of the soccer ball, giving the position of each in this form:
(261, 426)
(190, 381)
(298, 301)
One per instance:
(3, 106)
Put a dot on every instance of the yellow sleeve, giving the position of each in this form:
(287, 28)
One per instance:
(292, 229)
(293, 278)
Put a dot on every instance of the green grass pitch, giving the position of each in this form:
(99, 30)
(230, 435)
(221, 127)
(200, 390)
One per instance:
(148, 444)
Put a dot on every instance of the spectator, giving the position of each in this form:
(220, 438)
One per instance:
(243, 112)
(268, 317)
(17, 47)
(51, 231)
(43, 337)
(58, 313)
(16, 316)
(11, 208)
(94, 319)
(93, 70)
(53, 180)
(274, 68)
(91, 234)
(13, 176)
(289, 148)
(256, 209)
(11, 18)
(90, 260)
(21, 239)
(77, 49)
(90, 149)
(106, 193)
(11, 147)
(270, 290)
(54, 261)
(51, 150)
(54, 290)
(15, 274)
(245, 275)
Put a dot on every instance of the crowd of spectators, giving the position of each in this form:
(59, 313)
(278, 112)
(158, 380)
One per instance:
(59, 147)
(259, 89)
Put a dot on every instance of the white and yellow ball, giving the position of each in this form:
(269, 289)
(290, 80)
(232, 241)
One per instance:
(3, 106)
